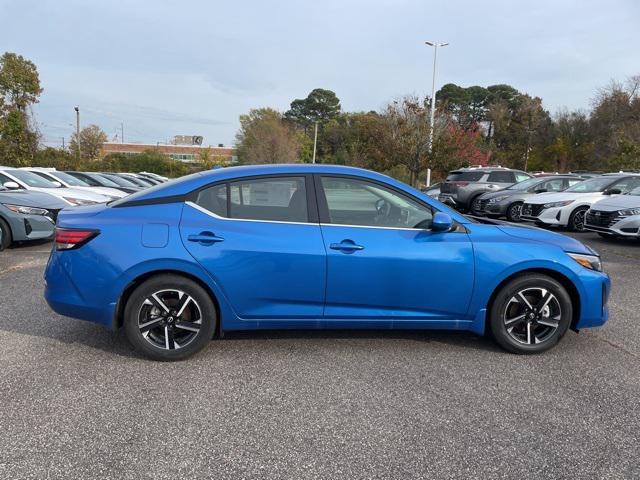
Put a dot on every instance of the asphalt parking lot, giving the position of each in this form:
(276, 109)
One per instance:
(78, 403)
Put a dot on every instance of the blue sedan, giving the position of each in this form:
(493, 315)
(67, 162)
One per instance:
(313, 246)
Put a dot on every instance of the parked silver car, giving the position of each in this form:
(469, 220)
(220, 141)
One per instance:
(617, 216)
(27, 215)
(464, 186)
(508, 202)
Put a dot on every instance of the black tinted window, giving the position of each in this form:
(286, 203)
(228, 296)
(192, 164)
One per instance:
(501, 177)
(464, 176)
(281, 199)
(214, 199)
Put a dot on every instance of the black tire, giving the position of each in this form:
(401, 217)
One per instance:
(7, 237)
(169, 326)
(576, 219)
(606, 235)
(513, 212)
(526, 335)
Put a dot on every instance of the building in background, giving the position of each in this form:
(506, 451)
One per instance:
(185, 148)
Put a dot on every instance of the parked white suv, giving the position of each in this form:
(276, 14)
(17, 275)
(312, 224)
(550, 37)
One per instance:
(14, 178)
(568, 208)
(70, 181)
(618, 216)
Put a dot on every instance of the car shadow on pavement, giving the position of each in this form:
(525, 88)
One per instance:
(466, 340)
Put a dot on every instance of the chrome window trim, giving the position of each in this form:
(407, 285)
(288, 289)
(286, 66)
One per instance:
(218, 217)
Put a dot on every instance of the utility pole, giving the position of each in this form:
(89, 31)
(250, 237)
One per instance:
(315, 142)
(121, 132)
(63, 143)
(77, 109)
(435, 46)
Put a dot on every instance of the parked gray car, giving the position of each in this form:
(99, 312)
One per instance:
(508, 202)
(27, 215)
(616, 216)
(462, 187)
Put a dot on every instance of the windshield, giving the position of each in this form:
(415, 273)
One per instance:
(119, 180)
(69, 179)
(32, 179)
(593, 185)
(527, 184)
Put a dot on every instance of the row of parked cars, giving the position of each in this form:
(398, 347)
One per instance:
(608, 203)
(31, 197)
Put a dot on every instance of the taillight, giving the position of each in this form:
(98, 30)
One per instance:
(66, 239)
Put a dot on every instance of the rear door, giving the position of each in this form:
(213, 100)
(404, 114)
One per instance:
(383, 262)
(260, 241)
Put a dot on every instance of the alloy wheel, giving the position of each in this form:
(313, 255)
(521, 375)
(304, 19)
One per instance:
(169, 319)
(515, 211)
(532, 316)
(578, 220)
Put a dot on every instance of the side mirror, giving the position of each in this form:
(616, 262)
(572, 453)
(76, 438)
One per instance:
(441, 222)
(540, 190)
(57, 184)
(11, 185)
(613, 191)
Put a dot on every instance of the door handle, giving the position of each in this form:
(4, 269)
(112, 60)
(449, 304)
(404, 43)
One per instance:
(346, 246)
(205, 238)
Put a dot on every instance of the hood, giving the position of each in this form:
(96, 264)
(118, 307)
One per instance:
(535, 234)
(29, 198)
(72, 192)
(499, 193)
(617, 202)
(549, 197)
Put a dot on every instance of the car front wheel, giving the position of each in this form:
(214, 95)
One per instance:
(530, 314)
(576, 220)
(169, 317)
(514, 211)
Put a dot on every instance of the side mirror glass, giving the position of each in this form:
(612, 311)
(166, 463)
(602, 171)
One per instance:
(612, 191)
(540, 190)
(56, 184)
(441, 222)
(11, 185)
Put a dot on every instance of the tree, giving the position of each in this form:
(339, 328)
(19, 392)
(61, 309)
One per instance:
(91, 140)
(407, 135)
(320, 106)
(19, 88)
(264, 138)
(19, 81)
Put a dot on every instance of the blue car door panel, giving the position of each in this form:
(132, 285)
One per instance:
(267, 269)
(379, 267)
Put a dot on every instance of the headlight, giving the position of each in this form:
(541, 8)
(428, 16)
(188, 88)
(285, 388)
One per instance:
(26, 210)
(498, 199)
(79, 201)
(592, 262)
(628, 212)
(557, 204)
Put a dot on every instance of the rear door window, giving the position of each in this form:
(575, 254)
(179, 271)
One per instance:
(464, 176)
(501, 177)
(281, 199)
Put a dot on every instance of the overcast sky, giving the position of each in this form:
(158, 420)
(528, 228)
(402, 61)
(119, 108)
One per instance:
(192, 67)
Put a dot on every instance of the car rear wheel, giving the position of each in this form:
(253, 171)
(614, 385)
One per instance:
(169, 317)
(5, 238)
(530, 314)
(576, 220)
(514, 212)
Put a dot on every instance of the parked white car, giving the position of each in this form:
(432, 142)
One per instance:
(618, 216)
(14, 178)
(568, 208)
(70, 181)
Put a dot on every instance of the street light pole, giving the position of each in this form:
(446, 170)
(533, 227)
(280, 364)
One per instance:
(315, 142)
(435, 46)
(77, 109)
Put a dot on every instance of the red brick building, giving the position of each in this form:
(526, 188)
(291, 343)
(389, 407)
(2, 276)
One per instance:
(184, 153)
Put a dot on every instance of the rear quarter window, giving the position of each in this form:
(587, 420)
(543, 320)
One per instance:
(464, 176)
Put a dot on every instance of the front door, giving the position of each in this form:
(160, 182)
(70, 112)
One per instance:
(258, 240)
(383, 261)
